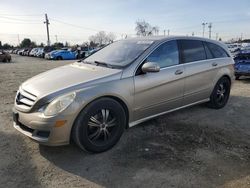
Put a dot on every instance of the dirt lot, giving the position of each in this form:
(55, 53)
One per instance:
(194, 147)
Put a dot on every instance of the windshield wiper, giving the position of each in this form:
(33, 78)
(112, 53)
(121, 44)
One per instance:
(86, 62)
(103, 63)
(97, 63)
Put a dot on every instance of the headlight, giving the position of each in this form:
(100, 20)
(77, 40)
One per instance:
(59, 104)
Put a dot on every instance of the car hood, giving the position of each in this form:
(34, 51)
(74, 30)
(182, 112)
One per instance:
(68, 77)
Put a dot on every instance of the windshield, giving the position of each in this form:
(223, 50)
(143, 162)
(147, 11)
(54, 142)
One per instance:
(120, 53)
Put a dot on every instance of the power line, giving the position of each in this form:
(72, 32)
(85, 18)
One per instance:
(73, 25)
(18, 19)
(81, 27)
(4, 22)
(21, 15)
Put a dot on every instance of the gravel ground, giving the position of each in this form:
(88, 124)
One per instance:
(194, 147)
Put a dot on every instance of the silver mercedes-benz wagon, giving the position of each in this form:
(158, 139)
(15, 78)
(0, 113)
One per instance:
(125, 83)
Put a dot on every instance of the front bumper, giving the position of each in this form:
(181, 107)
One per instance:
(42, 129)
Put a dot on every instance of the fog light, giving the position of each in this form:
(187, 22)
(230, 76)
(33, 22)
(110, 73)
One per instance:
(60, 123)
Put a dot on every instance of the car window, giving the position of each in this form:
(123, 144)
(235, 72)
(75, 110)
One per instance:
(217, 51)
(192, 50)
(208, 52)
(165, 55)
(120, 53)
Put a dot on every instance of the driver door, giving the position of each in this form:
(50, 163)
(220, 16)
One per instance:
(162, 91)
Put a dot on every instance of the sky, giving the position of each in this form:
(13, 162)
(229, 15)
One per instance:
(74, 21)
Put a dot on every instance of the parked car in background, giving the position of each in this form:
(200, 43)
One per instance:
(125, 83)
(242, 65)
(39, 52)
(26, 52)
(4, 56)
(50, 54)
(47, 49)
(20, 52)
(84, 52)
(61, 55)
(33, 52)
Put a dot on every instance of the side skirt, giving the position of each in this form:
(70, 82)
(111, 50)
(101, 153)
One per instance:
(131, 124)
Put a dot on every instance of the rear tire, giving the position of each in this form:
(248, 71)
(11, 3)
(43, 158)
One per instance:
(220, 94)
(59, 58)
(99, 126)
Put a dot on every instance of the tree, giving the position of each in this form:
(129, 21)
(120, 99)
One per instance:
(58, 45)
(102, 38)
(25, 43)
(143, 28)
(111, 37)
(6, 46)
(67, 44)
(155, 30)
(92, 44)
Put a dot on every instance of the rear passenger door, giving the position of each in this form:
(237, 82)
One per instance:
(199, 70)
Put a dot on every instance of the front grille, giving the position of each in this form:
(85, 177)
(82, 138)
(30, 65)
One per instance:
(25, 99)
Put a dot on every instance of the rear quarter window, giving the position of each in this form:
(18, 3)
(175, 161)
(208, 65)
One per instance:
(216, 50)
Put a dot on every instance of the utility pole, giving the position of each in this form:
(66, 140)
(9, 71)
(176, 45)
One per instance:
(210, 30)
(164, 31)
(168, 32)
(18, 39)
(56, 38)
(193, 34)
(47, 27)
(241, 36)
(203, 28)
(217, 36)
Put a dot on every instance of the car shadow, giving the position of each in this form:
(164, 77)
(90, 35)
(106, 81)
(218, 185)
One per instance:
(194, 147)
(245, 79)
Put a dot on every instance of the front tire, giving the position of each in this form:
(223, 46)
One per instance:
(59, 58)
(99, 126)
(220, 94)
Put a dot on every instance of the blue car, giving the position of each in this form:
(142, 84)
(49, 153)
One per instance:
(242, 65)
(61, 55)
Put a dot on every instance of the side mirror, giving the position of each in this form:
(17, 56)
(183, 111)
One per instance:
(150, 67)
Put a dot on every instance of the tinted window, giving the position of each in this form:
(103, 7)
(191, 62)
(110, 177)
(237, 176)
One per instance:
(165, 55)
(216, 50)
(208, 52)
(192, 50)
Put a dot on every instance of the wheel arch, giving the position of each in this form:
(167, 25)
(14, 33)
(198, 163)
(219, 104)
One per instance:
(119, 100)
(228, 77)
(124, 106)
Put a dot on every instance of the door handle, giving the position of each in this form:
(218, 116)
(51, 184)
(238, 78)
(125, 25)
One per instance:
(214, 64)
(178, 72)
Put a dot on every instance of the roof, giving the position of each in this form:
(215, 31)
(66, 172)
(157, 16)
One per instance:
(161, 38)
